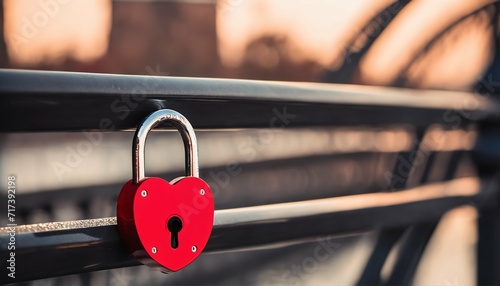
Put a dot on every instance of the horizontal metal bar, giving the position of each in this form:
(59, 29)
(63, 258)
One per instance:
(62, 248)
(301, 178)
(55, 101)
(295, 173)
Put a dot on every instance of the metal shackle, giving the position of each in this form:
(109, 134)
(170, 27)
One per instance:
(178, 121)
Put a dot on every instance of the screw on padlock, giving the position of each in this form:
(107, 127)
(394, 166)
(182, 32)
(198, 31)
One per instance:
(165, 225)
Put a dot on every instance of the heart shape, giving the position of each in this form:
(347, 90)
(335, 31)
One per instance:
(143, 212)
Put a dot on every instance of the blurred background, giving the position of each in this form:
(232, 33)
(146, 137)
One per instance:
(423, 44)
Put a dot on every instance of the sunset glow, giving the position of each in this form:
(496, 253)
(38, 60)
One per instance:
(421, 45)
(412, 30)
(53, 30)
(315, 30)
(425, 44)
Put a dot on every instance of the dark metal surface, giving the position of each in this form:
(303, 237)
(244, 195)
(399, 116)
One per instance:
(414, 244)
(488, 246)
(55, 101)
(411, 252)
(388, 238)
(44, 250)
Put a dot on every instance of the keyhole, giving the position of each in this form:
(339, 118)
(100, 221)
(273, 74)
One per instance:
(174, 225)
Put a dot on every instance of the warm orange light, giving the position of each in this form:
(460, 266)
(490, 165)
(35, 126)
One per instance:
(315, 30)
(47, 31)
(327, 31)
(410, 32)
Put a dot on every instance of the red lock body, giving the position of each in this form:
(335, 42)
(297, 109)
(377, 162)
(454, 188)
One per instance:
(143, 212)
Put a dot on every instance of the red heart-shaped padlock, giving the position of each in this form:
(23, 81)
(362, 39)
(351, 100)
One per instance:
(165, 225)
(145, 210)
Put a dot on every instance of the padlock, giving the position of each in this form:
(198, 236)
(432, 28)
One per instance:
(165, 225)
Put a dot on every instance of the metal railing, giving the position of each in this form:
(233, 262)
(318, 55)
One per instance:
(58, 101)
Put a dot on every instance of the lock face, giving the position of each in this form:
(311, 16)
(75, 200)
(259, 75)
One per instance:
(165, 225)
(145, 211)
